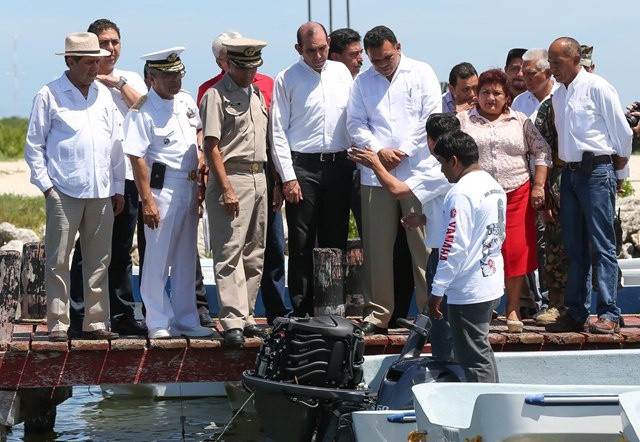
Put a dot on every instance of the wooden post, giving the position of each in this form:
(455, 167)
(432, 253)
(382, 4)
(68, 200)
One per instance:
(328, 282)
(38, 407)
(9, 283)
(33, 305)
(353, 282)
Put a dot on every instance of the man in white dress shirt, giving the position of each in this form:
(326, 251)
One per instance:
(390, 103)
(161, 139)
(126, 88)
(74, 150)
(594, 141)
(538, 79)
(310, 141)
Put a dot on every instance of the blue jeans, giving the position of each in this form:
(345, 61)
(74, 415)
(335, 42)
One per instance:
(587, 215)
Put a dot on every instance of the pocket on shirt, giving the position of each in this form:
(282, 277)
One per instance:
(582, 120)
(67, 125)
(414, 105)
(163, 136)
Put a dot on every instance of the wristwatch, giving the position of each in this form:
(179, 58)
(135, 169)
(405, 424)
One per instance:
(121, 83)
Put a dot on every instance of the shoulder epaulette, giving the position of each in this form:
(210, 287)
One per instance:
(138, 104)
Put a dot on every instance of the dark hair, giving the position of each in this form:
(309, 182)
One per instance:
(513, 53)
(74, 57)
(439, 124)
(459, 144)
(101, 25)
(341, 38)
(310, 30)
(376, 37)
(462, 71)
(496, 76)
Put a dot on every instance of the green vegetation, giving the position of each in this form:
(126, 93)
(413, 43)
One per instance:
(13, 132)
(627, 189)
(23, 211)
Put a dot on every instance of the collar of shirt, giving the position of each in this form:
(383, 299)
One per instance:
(160, 103)
(66, 85)
(475, 117)
(309, 68)
(403, 66)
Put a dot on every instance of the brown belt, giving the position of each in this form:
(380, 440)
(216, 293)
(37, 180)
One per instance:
(249, 167)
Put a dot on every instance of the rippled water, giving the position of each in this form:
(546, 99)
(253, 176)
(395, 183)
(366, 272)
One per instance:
(88, 416)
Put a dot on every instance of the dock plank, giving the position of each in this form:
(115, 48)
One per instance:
(30, 360)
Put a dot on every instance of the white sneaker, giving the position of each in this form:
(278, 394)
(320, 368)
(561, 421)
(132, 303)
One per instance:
(193, 332)
(159, 333)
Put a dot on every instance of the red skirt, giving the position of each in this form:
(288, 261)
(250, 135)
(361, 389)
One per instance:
(519, 247)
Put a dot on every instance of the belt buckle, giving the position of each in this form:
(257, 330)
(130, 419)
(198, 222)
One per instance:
(192, 175)
(255, 167)
(330, 156)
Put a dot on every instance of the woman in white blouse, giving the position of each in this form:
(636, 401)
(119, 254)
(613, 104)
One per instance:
(505, 139)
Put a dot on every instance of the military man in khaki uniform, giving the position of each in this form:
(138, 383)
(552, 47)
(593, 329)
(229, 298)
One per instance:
(234, 118)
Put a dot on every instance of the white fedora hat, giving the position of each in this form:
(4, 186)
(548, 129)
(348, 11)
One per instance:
(83, 44)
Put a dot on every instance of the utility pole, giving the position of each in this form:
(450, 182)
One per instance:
(15, 75)
(331, 13)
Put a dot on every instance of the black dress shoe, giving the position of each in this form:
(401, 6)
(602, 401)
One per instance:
(253, 331)
(99, 334)
(206, 320)
(371, 329)
(128, 327)
(233, 337)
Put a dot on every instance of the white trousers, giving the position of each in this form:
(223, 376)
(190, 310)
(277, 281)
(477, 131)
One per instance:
(172, 245)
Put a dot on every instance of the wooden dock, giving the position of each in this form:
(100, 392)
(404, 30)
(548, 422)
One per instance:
(29, 360)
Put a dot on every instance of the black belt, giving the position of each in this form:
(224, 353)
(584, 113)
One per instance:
(600, 159)
(324, 157)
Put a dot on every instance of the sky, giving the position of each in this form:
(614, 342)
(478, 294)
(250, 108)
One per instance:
(441, 33)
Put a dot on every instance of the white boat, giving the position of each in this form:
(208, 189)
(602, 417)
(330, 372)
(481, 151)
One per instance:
(630, 405)
(605, 369)
(519, 412)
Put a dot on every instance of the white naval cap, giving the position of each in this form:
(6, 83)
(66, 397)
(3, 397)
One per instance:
(167, 60)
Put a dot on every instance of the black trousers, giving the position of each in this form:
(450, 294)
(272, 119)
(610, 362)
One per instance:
(121, 302)
(321, 219)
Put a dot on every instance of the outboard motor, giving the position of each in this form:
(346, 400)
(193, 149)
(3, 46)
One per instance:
(411, 369)
(308, 377)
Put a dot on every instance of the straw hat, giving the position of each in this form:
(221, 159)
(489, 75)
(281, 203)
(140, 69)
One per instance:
(83, 44)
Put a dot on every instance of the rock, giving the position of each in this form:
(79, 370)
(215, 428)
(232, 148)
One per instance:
(629, 209)
(8, 232)
(14, 244)
(26, 235)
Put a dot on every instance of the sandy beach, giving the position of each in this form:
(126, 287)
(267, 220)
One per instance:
(14, 177)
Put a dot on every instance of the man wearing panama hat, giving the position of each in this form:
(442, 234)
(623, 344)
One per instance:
(74, 150)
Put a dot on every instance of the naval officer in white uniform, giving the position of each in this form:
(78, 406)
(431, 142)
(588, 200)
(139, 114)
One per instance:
(161, 139)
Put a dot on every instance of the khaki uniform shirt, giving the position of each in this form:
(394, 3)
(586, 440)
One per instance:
(236, 118)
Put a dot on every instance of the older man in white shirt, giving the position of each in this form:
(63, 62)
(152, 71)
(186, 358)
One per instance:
(310, 141)
(594, 141)
(387, 112)
(74, 150)
(538, 79)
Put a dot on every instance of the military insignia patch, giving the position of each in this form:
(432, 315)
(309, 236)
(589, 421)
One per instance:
(172, 57)
(250, 51)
